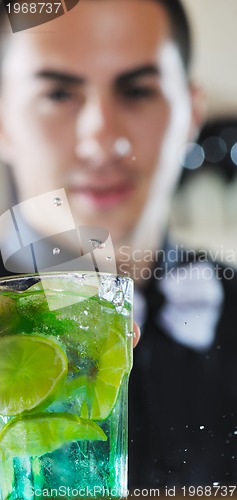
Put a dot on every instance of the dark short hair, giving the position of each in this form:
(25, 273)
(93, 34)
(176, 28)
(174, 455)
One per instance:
(180, 28)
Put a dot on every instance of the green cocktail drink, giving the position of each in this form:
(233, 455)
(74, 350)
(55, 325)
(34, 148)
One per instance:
(65, 358)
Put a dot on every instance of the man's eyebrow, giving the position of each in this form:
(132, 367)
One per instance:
(58, 76)
(122, 79)
(141, 71)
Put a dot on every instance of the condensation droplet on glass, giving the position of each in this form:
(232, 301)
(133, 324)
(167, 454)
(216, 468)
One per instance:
(109, 259)
(56, 251)
(57, 202)
(97, 243)
(197, 315)
(184, 461)
(235, 432)
(186, 449)
(201, 427)
(185, 323)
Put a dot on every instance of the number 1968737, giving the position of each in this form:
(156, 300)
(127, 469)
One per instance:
(33, 8)
(215, 490)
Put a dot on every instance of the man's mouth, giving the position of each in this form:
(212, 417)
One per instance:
(103, 197)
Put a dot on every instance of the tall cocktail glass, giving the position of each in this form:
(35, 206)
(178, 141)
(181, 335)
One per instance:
(65, 358)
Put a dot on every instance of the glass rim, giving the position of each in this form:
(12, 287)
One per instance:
(61, 274)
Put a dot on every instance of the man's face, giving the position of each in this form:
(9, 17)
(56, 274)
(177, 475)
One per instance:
(75, 90)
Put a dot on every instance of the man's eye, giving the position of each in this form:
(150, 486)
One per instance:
(137, 93)
(59, 95)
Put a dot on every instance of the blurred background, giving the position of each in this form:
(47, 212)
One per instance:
(204, 210)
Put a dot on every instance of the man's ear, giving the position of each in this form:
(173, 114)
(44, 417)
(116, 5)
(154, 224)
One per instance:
(198, 109)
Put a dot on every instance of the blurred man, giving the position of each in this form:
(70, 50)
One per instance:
(98, 102)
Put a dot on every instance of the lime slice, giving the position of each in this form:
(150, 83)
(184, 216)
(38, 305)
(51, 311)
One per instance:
(31, 369)
(43, 433)
(104, 379)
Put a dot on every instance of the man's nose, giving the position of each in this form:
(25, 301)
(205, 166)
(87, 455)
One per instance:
(100, 133)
